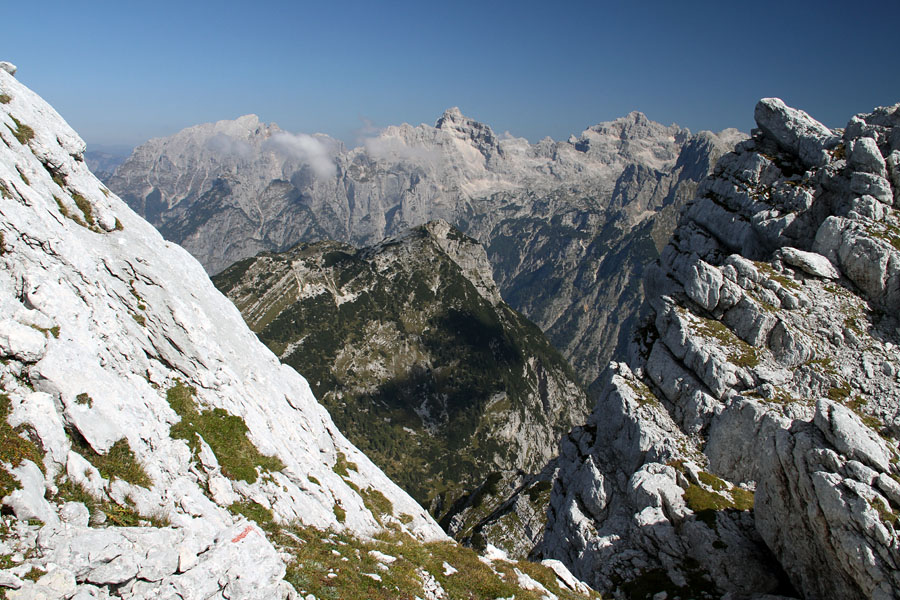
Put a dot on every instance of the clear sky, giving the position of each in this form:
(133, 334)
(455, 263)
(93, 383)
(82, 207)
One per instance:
(121, 72)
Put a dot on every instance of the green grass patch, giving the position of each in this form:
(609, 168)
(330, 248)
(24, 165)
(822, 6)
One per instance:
(226, 434)
(255, 512)
(377, 503)
(333, 565)
(23, 132)
(34, 574)
(5, 98)
(741, 353)
(339, 513)
(116, 514)
(743, 499)
(63, 210)
(884, 512)
(712, 481)
(17, 444)
(119, 461)
(840, 393)
(85, 207)
(341, 465)
(313, 480)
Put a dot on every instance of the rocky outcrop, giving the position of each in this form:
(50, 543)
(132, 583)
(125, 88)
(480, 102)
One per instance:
(141, 420)
(750, 445)
(555, 217)
(409, 346)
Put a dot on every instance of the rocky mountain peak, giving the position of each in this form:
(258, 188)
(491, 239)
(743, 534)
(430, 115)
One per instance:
(470, 130)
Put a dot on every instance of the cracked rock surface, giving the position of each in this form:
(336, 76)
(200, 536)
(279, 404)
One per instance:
(110, 340)
(748, 446)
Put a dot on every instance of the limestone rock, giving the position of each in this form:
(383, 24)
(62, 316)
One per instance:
(716, 410)
(810, 262)
(102, 329)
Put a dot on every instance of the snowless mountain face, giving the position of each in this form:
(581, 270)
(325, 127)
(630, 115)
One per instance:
(555, 217)
(426, 369)
(152, 448)
(751, 444)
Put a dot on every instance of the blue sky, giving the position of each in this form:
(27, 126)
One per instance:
(122, 72)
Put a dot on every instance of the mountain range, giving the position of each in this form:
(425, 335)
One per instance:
(554, 217)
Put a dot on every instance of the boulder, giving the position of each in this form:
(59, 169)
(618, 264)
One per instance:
(795, 131)
(809, 262)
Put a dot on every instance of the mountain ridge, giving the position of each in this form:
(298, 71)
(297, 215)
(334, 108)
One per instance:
(528, 204)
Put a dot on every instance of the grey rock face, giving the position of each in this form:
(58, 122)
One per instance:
(102, 326)
(765, 377)
(555, 217)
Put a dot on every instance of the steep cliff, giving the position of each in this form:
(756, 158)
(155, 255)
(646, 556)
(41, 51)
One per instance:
(750, 446)
(426, 369)
(555, 217)
(152, 447)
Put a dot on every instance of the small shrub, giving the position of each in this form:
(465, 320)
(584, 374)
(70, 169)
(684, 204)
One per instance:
(5, 98)
(34, 574)
(313, 480)
(119, 224)
(23, 132)
(84, 400)
(139, 319)
(226, 435)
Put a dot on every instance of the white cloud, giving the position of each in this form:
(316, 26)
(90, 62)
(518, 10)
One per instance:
(304, 148)
(225, 144)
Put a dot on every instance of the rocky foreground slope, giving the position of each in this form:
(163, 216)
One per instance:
(751, 444)
(410, 347)
(152, 447)
(555, 217)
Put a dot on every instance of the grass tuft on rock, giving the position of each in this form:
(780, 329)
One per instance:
(226, 434)
(255, 512)
(85, 207)
(16, 445)
(23, 132)
(119, 461)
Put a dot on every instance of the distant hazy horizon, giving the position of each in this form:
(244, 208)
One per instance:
(122, 73)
